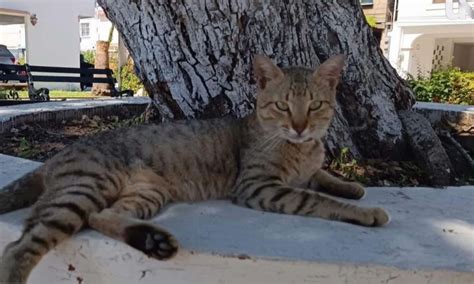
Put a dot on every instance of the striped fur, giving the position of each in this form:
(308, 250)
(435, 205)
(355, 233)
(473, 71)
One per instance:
(270, 160)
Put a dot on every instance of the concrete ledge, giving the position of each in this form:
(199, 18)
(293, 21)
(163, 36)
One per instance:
(457, 119)
(11, 116)
(468, 109)
(430, 240)
(460, 117)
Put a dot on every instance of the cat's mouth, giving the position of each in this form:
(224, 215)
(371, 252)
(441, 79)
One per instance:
(300, 140)
(297, 139)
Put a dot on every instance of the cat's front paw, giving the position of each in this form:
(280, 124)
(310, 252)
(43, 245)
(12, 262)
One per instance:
(152, 241)
(353, 190)
(370, 217)
(380, 217)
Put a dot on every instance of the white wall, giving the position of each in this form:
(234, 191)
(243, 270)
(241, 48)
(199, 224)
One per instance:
(99, 30)
(13, 36)
(54, 40)
(420, 58)
(421, 26)
(99, 27)
(424, 10)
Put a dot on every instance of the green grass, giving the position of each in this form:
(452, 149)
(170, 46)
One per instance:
(58, 94)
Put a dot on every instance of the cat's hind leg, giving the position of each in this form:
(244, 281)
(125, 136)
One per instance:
(53, 220)
(124, 222)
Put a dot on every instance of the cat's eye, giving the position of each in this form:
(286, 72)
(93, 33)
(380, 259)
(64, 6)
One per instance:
(282, 106)
(315, 105)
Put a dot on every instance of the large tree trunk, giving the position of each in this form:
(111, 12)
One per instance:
(195, 57)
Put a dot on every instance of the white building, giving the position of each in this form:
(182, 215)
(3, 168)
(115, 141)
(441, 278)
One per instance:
(47, 30)
(432, 34)
(96, 28)
(12, 34)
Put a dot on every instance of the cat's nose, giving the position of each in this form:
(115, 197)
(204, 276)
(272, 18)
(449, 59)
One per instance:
(299, 128)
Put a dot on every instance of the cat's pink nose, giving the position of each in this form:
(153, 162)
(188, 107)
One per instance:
(299, 128)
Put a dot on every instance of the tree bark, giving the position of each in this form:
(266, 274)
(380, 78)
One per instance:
(195, 60)
(428, 149)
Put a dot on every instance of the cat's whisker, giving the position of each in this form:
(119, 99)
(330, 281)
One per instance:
(274, 143)
(265, 144)
(261, 143)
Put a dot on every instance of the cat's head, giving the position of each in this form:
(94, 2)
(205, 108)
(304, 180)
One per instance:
(296, 102)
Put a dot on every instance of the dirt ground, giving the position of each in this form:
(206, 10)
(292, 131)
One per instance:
(40, 141)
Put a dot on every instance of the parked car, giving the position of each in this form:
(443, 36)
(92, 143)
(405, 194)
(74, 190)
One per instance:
(6, 57)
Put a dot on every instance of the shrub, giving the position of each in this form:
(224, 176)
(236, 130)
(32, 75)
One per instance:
(470, 77)
(444, 86)
(21, 60)
(371, 21)
(113, 61)
(89, 56)
(130, 80)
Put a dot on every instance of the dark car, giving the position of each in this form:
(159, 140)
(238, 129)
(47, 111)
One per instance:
(6, 57)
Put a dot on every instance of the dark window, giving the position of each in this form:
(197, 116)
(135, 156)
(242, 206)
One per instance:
(85, 31)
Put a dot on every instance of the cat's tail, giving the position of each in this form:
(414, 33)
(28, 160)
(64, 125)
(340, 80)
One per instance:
(22, 192)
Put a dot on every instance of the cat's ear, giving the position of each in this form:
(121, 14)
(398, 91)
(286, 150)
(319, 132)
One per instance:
(331, 70)
(265, 71)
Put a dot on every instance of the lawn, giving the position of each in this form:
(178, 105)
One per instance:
(58, 94)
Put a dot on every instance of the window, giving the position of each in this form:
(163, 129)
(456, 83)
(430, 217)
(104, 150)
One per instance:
(85, 31)
(366, 2)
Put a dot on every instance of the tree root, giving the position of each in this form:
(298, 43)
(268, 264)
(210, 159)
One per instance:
(427, 148)
(461, 160)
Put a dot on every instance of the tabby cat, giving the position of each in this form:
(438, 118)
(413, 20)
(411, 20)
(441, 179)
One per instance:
(270, 160)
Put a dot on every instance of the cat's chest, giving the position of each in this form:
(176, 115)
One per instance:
(302, 162)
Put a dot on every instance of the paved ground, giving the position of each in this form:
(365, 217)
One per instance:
(10, 116)
(7, 112)
(431, 230)
(459, 117)
(445, 107)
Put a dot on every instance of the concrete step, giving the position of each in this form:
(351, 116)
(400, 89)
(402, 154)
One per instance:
(429, 240)
(458, 119)
(14, 115)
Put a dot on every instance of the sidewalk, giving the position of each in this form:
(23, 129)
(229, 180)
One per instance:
(429, 240)
(10, 116)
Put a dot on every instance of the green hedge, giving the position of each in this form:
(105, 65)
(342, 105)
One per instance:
(130, 80)
(444, 86)
(371, 21)
(89, 56)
